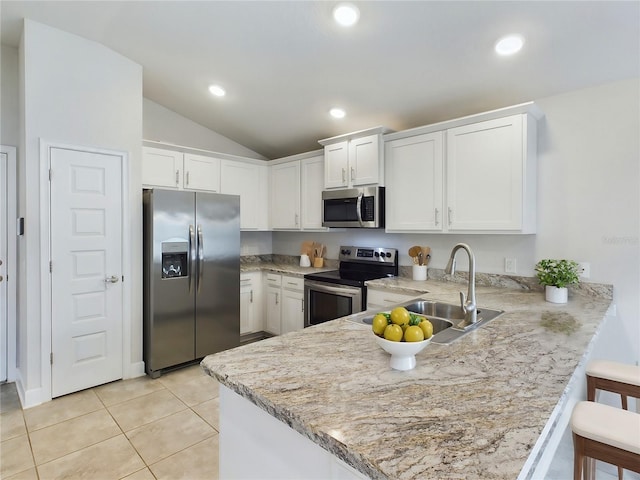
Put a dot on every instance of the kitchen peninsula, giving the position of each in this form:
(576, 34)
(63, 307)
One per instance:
(482, 407)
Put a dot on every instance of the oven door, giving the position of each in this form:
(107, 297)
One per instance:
(328, 301)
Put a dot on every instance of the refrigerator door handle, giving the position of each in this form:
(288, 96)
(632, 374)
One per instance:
(192, 254)
(200, 258)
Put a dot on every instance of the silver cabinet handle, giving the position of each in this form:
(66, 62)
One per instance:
(353, 174)
(276, 299)
(296, 220)
(251, 297)
(177, 178)
(450, 212)
(343, 175)
(187, 178)
(112, 279)
(302, 305)
(436, 219)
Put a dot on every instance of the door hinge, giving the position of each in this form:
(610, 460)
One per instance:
(123, 278)
(49, 174)
(50, 266)
(51, 358)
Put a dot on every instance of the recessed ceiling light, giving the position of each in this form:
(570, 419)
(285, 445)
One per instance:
(217, 90)
(509, 45)
(337, 113)
(346, 14)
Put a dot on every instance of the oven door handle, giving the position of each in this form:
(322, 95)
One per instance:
(323, 287)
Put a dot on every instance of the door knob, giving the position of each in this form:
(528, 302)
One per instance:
(1, 278)
(111, 279)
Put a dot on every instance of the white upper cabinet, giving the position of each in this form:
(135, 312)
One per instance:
(201, 173)
(475, 174)
(177, 170)
(312, 184)
(250, 181)
(491, 176)
(162, 168)
(414, 177)
(285, 196)
(354, 159)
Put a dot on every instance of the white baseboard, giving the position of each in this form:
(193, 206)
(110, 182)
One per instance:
(28, 398)
(136, 370)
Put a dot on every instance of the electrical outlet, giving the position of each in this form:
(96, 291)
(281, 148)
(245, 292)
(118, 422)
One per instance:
(584, 270)
(510, 265)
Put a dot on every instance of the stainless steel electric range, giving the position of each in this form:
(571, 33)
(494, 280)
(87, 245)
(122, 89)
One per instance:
(337, 293)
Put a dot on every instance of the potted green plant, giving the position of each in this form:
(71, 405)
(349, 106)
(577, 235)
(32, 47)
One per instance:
(555, 275)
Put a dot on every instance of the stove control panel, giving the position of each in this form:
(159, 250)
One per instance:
(369, 254)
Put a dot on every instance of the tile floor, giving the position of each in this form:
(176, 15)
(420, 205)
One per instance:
(134, 429)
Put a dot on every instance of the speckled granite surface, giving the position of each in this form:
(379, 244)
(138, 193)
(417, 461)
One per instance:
(284, 264)
(470, 410)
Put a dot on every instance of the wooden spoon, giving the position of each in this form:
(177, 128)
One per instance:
(413, 253)
(426, 255)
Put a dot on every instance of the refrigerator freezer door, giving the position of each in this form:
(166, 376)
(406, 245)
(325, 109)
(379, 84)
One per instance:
(169, 328)
(218, 264)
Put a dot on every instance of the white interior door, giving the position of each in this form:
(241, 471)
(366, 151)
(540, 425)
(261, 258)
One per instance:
(4, 202)
(86, 269)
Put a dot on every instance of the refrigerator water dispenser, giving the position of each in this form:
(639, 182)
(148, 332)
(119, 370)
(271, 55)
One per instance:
(174, 259)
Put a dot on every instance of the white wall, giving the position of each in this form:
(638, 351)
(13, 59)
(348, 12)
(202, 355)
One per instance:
(76, 92)
(163, 125)
(588, 205)
(9, 111)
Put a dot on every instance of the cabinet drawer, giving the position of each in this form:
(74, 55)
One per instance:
(292, 283)
(381, 298)
(274, 279)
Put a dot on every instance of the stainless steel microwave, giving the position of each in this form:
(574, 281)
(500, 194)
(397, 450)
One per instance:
(353, 208)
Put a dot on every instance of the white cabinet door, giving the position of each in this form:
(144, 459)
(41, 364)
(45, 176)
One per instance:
(161, 168)
(292, 317)
(251, 303)
(364, 160)
(273, 301)
(336, 168)
(414, 180)
(312, 184)
(285, 196)
(485, 176)
(246, 305)
(250, 182)
(201, 173)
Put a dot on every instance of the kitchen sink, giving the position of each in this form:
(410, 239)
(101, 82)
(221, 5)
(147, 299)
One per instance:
(447, 319)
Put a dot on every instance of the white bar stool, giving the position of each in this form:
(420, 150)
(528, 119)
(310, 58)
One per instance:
(605, 433)
(613, 377)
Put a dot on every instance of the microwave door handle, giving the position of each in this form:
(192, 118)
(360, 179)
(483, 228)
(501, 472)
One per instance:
(359, 208)
(192, 254)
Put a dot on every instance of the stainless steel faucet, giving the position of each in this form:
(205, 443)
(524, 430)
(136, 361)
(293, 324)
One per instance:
(467, 304)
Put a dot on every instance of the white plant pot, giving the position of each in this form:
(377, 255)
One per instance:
(555, 294)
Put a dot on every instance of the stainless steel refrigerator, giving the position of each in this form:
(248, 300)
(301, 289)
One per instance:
(191, 276)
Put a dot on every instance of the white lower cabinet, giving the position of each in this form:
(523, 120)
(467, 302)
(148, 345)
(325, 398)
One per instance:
(284, 303)
(381, 299)
(251, 318)
(292, 304)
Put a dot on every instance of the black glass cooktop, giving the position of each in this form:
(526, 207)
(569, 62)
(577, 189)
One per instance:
(351, 278)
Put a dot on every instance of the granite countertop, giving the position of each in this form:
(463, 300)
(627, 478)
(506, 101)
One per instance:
(471, 409)
(285, 268)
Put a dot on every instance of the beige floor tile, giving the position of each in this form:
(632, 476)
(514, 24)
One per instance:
(199, 462)
(196, 391)
(9, 399)
(144, 474)
(112, 459)
(146, 409)
(78, 433)
(30, 474)
(169, 435)
(12, 425)
(15, 456)
(209, 412)
(61, 409)
(182, 375)
(123, 390)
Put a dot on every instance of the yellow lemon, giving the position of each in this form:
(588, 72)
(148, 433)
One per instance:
(378, 324)
(427, 328)
(413, 334)
(400, 316)
(393, 332)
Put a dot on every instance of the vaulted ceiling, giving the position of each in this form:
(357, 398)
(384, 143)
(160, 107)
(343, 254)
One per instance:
(284, 64)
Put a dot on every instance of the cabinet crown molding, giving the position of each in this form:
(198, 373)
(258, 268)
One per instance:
(360, 133)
